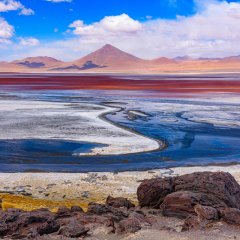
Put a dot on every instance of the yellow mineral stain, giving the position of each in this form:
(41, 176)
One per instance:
(29, 204)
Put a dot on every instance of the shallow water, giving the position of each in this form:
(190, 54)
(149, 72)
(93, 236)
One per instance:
(198, 129)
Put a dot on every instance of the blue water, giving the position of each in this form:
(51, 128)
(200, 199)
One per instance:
(188, 143)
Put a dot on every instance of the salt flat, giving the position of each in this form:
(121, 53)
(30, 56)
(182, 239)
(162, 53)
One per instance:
(93, 186)
(81, 122)
(218, 112)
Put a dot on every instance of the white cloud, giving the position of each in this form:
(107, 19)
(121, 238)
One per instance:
(9, 5)
(108, 26)
(6, 30)
(29, 41)
(58, 1)
(12, 5)
(214, 31)
(27, 12)
(6, 33)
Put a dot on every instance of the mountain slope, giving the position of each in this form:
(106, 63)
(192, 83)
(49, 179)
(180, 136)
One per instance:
(109, 56)
(38, 62)
(163, 60)
(110, 59)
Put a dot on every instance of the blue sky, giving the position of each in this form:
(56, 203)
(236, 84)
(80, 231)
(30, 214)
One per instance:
(32, 27)
(49, 16)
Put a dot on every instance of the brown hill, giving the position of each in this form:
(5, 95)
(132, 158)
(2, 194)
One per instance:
(163, 60)
(38, 62)
(9, 67)
(231, 59)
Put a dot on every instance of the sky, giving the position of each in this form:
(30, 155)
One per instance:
(69, 29)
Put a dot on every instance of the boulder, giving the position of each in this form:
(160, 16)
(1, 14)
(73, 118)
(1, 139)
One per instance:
(219, 189)
(76, 209)
(129, 225)
(181, 204)
(230, 216)
(63, 212)
(119, 202)
(219, 185)
(20, 224)
(205, 216)
(37, 216)
(151, 193)
(73, 230)
(107, 211)
(206, 213)
(98, 209)
(48, 228)
(94, 222)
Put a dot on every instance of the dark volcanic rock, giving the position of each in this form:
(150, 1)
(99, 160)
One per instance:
(19, 224)
(119, 202)
(181, 204)
(98, 209)
(129, 225)
(94, 221)
(230, 216)
(73, 230)
(48, 227)
(107, 211)
(219, 185)
(37, 216)
(76, 209)
(200, 198)
(206, 213)
(216, 189)
(151, 193)
(63, 212)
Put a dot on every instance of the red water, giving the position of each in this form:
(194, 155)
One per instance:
(160, 85)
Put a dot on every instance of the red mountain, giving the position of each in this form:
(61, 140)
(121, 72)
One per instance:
(109, 56)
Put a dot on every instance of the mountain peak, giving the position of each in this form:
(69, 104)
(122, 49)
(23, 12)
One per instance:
(109, 55)
(110, 49)
(108, 46)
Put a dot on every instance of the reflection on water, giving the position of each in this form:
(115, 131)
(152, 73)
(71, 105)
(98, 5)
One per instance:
(188, 139)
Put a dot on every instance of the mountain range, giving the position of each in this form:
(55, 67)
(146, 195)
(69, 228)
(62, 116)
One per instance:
(110, 59)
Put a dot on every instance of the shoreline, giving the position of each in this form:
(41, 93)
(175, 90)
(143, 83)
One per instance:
(31, 191)
(161, 143)
(89, 124)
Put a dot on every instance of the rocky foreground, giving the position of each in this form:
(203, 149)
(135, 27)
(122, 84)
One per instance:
(206, 203)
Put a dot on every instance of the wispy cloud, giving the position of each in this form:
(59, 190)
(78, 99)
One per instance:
(6, 30)
(108, 26)
(12, 5)
(214, 31)
(58, 1)
(30, 41)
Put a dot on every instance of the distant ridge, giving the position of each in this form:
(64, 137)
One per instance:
(110, 59)
(37, 62)
(163, 60)
(183, 58)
